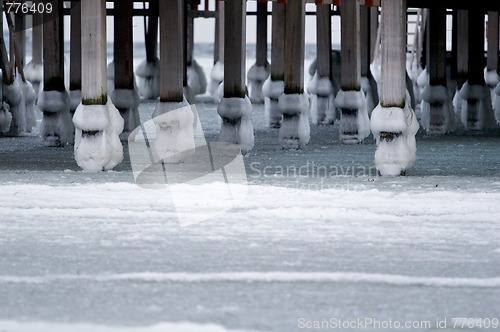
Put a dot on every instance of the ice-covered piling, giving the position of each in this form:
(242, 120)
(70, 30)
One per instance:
(127, 102)
(29, 100)
(394, 129)
(121, 81)
(322, 94)
(197, 80)
(436, 113)
(321, 87)
(17, 106)
(476, 109)
(173, 117)
(98, 123)
(257, 75)
(235, 108)
(393, 122)
(148, 79)
(351, 100)
(354, 123)
(34, 74)
(295, 130)
(294, 103)
(259, 72)
(274, 86)
(5, 115)
(174, 131)
(53, 101)
(273, 90)
(216, 78)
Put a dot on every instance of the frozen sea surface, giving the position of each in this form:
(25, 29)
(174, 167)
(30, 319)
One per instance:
(319, 236)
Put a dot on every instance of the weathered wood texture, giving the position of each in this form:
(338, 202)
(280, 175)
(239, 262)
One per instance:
(350, 72)
(171, 51)
(278, 42)
(94, 52)
(235, 48)
(393, 37)
(294, 46)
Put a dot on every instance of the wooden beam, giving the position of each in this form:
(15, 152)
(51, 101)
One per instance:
(171, 51)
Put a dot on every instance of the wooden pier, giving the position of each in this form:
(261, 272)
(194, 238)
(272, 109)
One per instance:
(99, 106)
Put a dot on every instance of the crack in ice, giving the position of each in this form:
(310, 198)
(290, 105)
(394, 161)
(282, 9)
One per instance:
(262, 277)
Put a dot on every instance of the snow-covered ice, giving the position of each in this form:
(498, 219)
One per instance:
(19, 326)
(319, 235)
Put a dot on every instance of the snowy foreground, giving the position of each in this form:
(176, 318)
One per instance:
(95, 252)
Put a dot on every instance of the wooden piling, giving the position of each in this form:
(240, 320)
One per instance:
(37, 38)
(20, 35)
(171, 51)
(350, 51)
(476, 47)
(462, 47)
(235, 49)
(219, 33)
(53, 50)
(393, 75)
(324, 40)
(436, 46)
(123, 45)
(493, 41)
(152, 32)
(75, 70)
(294, 47)
(94, 52)
(261, 34)
(278, 42)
